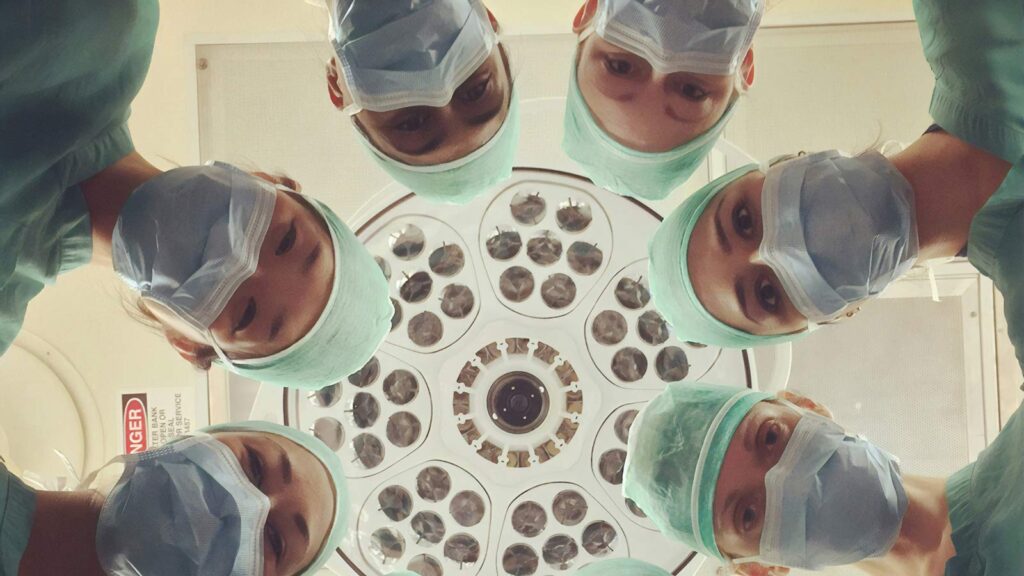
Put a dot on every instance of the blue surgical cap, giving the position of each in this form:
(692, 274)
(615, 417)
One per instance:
(330, 461)
(670, 276)
(461, 180)
(616, 167)
(676, 448)
(622, 567)
(354, 322)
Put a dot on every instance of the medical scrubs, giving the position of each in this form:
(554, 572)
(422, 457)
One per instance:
(986, 509)
(17, 508)
(975, 49)
(69, 69)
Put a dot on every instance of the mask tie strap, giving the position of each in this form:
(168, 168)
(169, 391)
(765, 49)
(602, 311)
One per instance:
(932, 283)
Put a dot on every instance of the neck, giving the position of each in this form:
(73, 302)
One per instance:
(105, 194)
(63, 538)
(951, 180)
(924, 544)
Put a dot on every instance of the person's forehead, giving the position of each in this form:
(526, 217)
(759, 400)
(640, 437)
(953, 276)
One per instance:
(314, 481)
(707, 271)
(710, 283)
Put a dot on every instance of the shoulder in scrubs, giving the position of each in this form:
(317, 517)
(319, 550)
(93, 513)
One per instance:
(17, 507)
(69, 71)
(986, 508)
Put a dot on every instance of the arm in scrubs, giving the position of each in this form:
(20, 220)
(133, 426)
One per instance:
(976, 51)
(69, 69)
(986, 508)
(17, 507)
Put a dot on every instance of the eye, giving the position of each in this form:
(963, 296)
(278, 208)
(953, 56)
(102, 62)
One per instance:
(767, 295)
(770, 434)
(255, 467)
(693, 92)
(748, 519)
(412, 122)
(247, 316)
(742, 220)
(476, 91)
(618, 66)
(287, 241)
(275, 541)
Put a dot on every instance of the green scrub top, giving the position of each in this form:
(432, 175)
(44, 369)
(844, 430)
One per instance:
(995, 246)
(69, 69)
(975, 49)
(17, 508)
(986, 509)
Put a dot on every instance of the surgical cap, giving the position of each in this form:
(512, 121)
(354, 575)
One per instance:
(676, 448)
(461, 180)
(354, 322)
(671, 285)
(611, 165)
(622, 567)
(330, 461)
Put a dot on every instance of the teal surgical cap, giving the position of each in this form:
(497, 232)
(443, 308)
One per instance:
(622, 567)
(354, 322)
(676, 448)
(330, 460)
(459, 181)
(611, 165)
(671, 286)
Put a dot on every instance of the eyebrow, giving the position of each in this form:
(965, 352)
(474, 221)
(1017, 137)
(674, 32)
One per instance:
(723, 240)
(741, 297)
(675, 116)
(300, 523)
(426, 149)
(627, 97)
(487, 116)
(286, 464)
(311, 259)
(275, 327)
(730, 503)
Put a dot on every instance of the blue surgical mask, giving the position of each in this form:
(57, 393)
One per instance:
(837, 230)
(189, 237)
(185, 509)
(397, 54)
(682, 36)
(832, 499)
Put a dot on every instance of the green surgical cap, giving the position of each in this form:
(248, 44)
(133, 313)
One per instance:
(354, 322)
(671, 286)
(611, 165)
(676, 447)
(330, 460)
(622, 567)
(461, 180)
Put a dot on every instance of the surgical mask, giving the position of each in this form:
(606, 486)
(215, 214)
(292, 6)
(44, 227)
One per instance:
(677, 36)
(837, 230)
(832, 499)
(188, 238)
(412, 53)
(185, 509)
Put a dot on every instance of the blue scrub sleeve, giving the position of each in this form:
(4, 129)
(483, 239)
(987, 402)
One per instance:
(17, 509)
